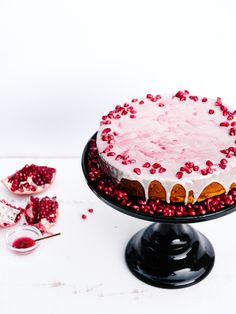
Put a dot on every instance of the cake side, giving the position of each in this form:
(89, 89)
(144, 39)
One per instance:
(171, 147)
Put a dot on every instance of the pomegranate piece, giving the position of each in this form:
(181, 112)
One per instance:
(9, 214)
(30, 180)
(42, 213)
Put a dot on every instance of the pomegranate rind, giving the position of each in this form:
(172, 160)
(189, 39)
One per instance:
(9, 215)
(38, 188)
(43, 224)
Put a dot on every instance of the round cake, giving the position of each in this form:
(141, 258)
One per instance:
(172, 147)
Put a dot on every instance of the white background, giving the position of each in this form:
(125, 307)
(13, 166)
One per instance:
(62, 65)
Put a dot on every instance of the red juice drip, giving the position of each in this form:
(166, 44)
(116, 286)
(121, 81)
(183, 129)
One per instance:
(23, 243)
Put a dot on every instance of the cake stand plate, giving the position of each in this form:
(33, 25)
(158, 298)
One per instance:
(169, 253)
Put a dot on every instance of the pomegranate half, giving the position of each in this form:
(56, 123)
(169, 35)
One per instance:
(30, 180)
(9, 214)
(42, 213)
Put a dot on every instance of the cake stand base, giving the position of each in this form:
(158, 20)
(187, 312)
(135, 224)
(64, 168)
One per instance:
(170, 255)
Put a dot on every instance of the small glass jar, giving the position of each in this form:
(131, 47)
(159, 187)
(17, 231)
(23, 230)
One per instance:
(23, 231)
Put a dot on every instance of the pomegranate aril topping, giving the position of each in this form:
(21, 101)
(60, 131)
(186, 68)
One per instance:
(204, 99)
(132, 116)
(152, 170)
(223, 161)
(146, 165)
(209, 163)
(83, 216)
(137, 171)
(119, 157)
(203, 172)
(196, 168)
(141, 102)
(162, 169)
(232, 131)
(225, 123)
(211, 111)
(105, 131)
(179, 175)
(156, 165)
(161, 104)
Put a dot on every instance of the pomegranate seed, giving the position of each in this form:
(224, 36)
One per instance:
(161, 170)
(209, 163)
(230, 117)
(196, 168)
(204, 99)
(224, 123)
(233, 123)
(232, 131)
(186, 92)
(188, 170)
(161, 104)
(152, 170)
(132, 161)
(125, 162)
(132, 116)
(107, 149)
(134, 100)
(149, 96)
(119, 157)
(156, 165)
(83, 216)
(211, 111)
(203, 172)
(90, 210)
(111, 154)
(137, 171)
(105, 131)
(223, 166)
(179, 94)
(179, 175)
(146, 165)
(223, 161)
(141, 102)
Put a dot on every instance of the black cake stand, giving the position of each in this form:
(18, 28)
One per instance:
(169, 253)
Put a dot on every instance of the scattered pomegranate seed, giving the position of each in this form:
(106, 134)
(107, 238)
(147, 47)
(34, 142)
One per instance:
(211, 111)
(137, 171)
(230, 117)
(204, 99)
(134, 100)
(152, 170)
(156, 165)
(233, 123)
(90, 210)
(149, 96)
(119, 157)
(147, 165)
(141, 102)
(132, 116)
(223, 161)
(161, 104)
(84, 216)
(179, 175)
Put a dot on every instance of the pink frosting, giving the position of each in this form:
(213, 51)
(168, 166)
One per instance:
(171, 135)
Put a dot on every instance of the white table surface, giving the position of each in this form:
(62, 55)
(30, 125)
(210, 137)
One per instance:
(83, 270)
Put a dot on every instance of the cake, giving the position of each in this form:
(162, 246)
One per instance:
(172, 147)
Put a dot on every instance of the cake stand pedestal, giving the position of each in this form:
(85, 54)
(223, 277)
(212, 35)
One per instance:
(169, 253)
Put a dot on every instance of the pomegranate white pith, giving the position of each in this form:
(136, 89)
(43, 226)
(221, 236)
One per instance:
(30, 180)
(174, 139)
(42, 213)
(9, 214)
